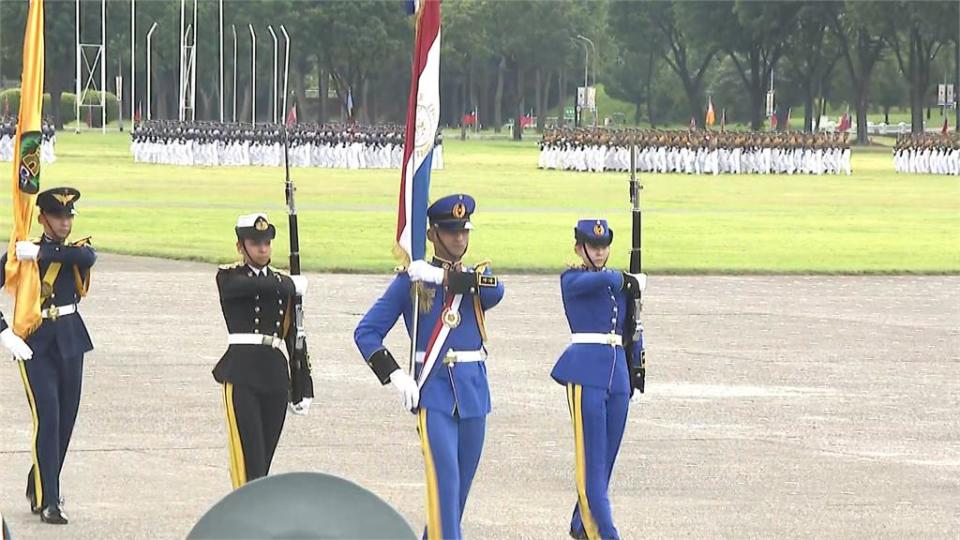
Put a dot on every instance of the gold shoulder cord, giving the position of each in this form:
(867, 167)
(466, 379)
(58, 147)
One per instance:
(82, 282)
(49, 277)
(477, 308)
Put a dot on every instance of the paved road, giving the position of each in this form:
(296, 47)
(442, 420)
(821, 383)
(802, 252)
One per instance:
(777, 407)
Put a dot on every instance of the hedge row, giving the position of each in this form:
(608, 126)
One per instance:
(68, 103)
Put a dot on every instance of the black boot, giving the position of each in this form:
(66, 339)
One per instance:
(31, 493)
(54, 515)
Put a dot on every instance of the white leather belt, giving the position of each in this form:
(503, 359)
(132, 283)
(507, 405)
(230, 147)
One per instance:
(598, 339)
(258, 339)
(55, 312)
(457, 357)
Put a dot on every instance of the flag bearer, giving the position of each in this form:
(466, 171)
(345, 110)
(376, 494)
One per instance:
(51, 358)
(448, 390)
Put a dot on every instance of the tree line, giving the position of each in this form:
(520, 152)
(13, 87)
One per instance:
(505, 59)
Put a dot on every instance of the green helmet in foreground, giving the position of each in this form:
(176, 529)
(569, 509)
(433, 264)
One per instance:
(301, 505)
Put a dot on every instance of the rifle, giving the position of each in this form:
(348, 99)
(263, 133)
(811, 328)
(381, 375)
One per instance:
(638, 372)
(301, 381)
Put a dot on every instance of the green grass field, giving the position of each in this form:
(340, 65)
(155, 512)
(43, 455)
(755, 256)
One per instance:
(872, 222)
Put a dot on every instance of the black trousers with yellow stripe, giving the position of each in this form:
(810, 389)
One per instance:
(52, 383)
(254, 423)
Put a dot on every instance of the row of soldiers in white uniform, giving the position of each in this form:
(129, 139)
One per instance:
(695, 151)
(336, 146)
(927, 153)
(8, 139)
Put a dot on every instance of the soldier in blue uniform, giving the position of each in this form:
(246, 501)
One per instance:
(51, 358)
(595, 371)
(256, 301)
(449, 390)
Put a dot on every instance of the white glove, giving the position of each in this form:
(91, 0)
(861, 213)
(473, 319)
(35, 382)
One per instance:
(636, 398)
(300, 283)
(409, 391)
(27, 251)
(423, 271)
(641, 280)
(302, 408)
(16, 346)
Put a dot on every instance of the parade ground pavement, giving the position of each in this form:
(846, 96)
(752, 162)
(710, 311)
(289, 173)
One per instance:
(776, 407)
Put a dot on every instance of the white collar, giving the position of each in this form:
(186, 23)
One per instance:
(258, 271)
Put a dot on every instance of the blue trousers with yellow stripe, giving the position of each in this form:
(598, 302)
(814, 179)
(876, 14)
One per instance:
(451, 453)
(599, 418)
(52, 384)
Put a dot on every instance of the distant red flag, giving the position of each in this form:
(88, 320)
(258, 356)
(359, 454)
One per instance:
(946, 126)
(138, 114)
(773, 121)
(842, 125)
(292, 116)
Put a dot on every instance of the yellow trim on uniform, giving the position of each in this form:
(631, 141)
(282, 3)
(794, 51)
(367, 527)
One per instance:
(477, 306)
(575, 401)
(230, 452)
(49, 278)
(82, 283)
(238, 467)
(38, 484)
(481, 319)
(434, 530)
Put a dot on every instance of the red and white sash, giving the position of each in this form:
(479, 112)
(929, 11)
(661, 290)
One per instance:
(437, 338)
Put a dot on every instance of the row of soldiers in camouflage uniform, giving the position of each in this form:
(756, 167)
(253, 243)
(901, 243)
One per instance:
(927, 153)
(8, 136)
(335, 146)
(696, 152)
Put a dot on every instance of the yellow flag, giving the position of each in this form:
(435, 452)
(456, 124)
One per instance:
(711, 116)
(23, 277)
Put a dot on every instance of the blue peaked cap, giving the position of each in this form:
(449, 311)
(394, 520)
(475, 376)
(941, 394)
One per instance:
(452, 212)
(593, 231)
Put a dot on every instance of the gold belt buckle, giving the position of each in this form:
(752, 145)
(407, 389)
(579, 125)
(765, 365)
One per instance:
(267, 340)
(450, 358)
(53, 312)
(612, 339)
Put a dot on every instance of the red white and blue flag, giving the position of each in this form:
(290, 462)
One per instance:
(423, 117)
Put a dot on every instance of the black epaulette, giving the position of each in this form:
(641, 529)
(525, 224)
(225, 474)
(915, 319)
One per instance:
(469, 282)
